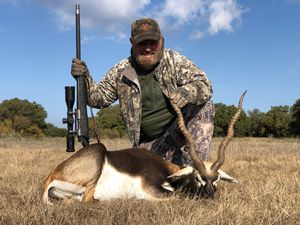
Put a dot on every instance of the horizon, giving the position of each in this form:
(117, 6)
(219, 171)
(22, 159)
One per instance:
(241, 45)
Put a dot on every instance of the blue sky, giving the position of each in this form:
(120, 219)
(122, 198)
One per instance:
(241, 45)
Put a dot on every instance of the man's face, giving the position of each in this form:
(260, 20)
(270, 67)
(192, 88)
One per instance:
(147, 53)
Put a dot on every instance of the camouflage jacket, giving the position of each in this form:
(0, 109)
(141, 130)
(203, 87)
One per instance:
(121, 83)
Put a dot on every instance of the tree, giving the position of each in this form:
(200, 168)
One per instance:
(223, 116)
(221, 119)
(295, 119)
(24, 117)
(5, 128)
(53, 131)
(277, 120)
(256, 128)
(110, 122)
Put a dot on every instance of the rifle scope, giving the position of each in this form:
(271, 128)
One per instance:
(70, 99)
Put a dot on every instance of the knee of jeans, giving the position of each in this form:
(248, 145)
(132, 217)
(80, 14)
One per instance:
(211, 111)
(209, 107)
(207, 112)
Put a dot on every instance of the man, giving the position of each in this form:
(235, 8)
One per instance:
(144, 83)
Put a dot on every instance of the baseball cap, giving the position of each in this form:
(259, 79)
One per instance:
(145, 29)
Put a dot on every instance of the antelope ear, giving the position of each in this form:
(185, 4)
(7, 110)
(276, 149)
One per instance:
(181, 177)
(226, 177)
(183, 172)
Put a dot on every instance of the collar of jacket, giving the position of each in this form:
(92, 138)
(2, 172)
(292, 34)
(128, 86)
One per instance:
(130, 76)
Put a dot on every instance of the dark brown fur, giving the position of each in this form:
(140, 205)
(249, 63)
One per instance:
(85, 166)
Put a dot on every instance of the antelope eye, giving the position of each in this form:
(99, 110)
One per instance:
(216, 180)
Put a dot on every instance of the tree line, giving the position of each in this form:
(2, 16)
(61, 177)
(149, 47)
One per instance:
(279, 121)
(27, 119)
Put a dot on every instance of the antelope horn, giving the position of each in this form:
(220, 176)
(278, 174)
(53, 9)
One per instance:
(199, 165)
(230, 132)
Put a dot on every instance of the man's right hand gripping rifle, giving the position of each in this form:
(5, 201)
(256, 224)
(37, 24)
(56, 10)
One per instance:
(79, 68)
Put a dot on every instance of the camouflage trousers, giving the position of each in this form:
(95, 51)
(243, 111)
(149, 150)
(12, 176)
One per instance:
(172, 145)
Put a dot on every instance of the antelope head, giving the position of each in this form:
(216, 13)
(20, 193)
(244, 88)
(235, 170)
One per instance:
(203, 178)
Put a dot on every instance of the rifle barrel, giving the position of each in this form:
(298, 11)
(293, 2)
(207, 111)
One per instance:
(78, 46)
(83, 130)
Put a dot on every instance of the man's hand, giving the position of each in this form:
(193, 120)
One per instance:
(79, 68)
(180, 97)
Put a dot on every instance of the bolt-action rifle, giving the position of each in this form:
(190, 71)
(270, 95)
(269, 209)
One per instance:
(80, 113)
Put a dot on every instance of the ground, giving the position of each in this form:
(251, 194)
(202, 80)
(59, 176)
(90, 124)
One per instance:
(268, 191)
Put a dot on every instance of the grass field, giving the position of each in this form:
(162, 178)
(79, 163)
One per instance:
(268, 191)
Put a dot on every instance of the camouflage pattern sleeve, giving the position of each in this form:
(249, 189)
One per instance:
(105, 93)
(192, 78)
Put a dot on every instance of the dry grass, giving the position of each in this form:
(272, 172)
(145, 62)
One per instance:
(268, 191)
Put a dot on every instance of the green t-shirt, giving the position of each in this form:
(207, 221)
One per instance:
(157, 112)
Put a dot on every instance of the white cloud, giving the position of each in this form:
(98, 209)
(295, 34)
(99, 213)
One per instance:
(106, 15)
(14, 2)
(86, 39)
(182, 11)
(197, 34)
(222, 15)
(205, 17)
(118, 37)
(112, 18)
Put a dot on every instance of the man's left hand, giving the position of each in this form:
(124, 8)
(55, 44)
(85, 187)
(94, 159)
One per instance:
(180, 97)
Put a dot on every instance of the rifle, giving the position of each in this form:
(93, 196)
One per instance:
(80, 113)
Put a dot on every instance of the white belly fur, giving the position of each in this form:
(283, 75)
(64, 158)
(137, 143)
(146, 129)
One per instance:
(114, 184)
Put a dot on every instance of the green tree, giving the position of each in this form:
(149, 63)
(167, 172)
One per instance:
(222, 118)
(53, 131)
(295, 119)
(110, 122)
(256, 128)
(277, 120)
(5, 128)
(25, 117)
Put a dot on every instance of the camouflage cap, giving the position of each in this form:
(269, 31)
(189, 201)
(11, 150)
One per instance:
(145, 29)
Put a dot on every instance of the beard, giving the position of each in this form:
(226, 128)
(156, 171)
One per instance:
(147, 62)
(150, 60)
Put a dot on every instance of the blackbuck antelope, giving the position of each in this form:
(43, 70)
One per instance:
(93, 172)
